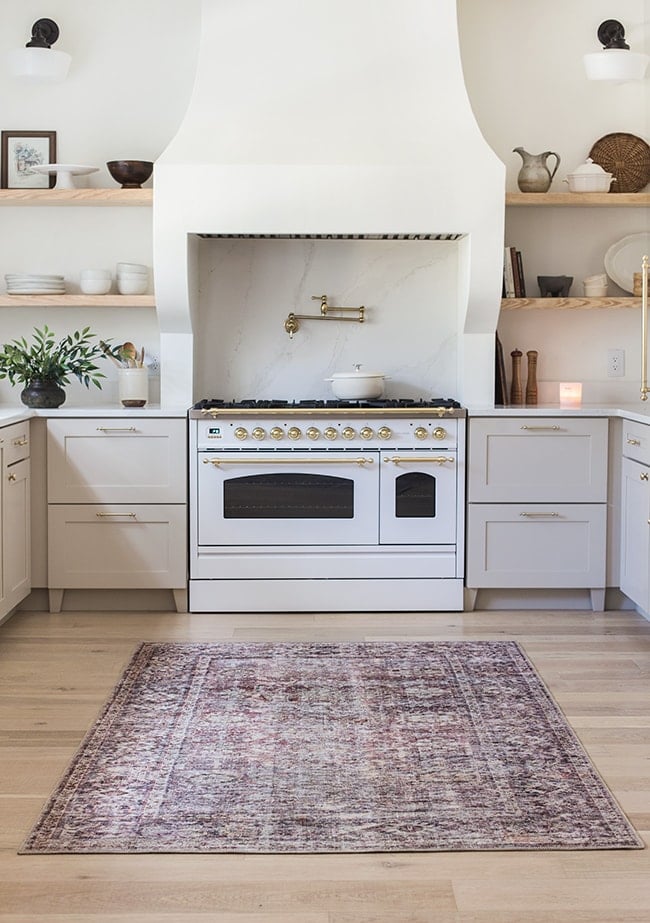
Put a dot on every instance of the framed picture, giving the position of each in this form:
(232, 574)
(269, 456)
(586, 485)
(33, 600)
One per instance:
(22, 150)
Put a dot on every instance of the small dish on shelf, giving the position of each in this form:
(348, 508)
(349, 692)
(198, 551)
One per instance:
(64, 172)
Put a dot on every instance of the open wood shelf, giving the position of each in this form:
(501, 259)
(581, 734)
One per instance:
(93, 197)
(580, 199)
(517, 304)
(77, 301)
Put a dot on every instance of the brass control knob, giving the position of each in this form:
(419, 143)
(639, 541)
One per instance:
(330, 433)
(258, 433)
(420, 432)
(313, 433)
(277, 432)
(348, 433)
(384, 432)
(366, 433)
(294, 433)
(439, 433)
(241, 433)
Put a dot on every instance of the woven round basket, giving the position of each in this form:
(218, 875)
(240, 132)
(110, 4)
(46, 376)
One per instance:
(626, 157)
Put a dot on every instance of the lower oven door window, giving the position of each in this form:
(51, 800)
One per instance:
(288, 498)
(418, 498)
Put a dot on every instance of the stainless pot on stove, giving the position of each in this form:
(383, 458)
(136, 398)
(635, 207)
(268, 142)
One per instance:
(357, 385)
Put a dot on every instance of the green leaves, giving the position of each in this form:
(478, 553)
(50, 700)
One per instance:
(49, 360)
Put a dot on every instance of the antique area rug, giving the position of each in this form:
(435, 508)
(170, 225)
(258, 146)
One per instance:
(326, 747)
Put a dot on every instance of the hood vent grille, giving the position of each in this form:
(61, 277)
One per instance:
(331, 236)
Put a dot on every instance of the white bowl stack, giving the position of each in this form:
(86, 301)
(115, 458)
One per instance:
(132, 278)
(34, 284)
(95, 281)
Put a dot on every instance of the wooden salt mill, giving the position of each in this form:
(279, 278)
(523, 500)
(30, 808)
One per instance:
(531, 384)
(516, 392)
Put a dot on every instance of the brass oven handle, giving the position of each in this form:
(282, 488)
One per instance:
(539, 515)
(431, 459)
(361, 461)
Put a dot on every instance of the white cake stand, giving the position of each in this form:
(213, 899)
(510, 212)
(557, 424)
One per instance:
(64, 172)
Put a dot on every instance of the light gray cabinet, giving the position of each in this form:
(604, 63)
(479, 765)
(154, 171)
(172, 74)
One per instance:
(635, 514)
(537, 514)
(117, 505)
(15, 557)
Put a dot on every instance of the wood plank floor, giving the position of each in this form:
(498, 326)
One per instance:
(57, 670)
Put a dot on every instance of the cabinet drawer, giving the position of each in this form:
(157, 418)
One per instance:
(538, 460)
(636, 441)
(112, 546)
(116, 461)
(15, 442)
(536, 545)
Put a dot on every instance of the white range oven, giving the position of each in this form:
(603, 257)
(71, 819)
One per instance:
(326, 506)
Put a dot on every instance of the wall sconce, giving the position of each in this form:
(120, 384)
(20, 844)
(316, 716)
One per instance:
(38, 61)
(615, 62)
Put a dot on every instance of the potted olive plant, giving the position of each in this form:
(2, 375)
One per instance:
(46, 364)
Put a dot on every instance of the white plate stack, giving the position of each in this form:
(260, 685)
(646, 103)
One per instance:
(132, 278)
(34, 284)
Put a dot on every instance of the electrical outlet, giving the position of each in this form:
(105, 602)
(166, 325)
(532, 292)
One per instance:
(615, 363)
(153, 364)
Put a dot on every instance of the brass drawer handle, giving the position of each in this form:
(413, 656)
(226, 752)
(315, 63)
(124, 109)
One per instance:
(111, 515)
(116, 429)
(22, 440)
(540, 515)
(12, 477)
(644, 475)
(540, 428)
(431, 459)
(633, 441)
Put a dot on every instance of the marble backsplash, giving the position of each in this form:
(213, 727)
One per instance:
(247, 287)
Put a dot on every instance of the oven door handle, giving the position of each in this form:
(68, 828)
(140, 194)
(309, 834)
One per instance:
(361, 461)
(431, 459)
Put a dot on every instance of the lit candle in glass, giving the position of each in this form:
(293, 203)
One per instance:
(570, 393)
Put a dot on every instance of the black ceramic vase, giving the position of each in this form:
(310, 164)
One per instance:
(42, 393)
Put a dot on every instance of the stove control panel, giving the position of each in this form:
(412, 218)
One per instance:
(299, 433)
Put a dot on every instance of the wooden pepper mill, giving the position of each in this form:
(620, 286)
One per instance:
(531, 383)
(516, 392)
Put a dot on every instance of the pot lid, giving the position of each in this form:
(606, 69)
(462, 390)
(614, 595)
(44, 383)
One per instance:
(357, 373)
(589, 168)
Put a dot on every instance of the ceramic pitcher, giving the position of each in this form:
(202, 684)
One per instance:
(534, 175)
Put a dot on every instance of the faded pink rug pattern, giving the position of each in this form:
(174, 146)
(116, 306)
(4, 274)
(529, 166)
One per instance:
(325, 747)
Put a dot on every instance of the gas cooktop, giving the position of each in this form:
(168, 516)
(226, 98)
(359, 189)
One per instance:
(385, 406)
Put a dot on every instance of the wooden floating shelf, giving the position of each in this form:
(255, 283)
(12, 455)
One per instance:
(78, 301)
(580, 199)
(93, 197)
(518, 304)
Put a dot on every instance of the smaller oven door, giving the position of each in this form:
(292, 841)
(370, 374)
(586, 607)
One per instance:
(418, 498)
(288, 498)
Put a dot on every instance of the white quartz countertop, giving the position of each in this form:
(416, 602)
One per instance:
(639, 411)
(17, 414)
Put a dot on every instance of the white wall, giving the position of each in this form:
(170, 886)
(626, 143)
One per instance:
(129, 82)
(524, 74)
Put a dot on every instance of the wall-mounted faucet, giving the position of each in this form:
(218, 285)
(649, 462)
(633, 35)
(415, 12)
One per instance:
(327, 312)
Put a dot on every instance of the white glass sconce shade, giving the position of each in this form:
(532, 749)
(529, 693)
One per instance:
(615, 62)
(37, 61)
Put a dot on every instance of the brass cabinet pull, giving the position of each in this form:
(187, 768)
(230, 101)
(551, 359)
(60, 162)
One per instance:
(12, 477)
(431, 459)
(361, 461)
(22, 440)
(540, 428)
(111, 515)
(540, 515)
(644, 475)
(116, 429)
(633, 441)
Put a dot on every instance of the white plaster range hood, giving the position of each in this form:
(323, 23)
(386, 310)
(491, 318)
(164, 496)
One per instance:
(336, 119)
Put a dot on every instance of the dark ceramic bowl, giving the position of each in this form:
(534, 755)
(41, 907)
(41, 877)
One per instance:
(130, 173)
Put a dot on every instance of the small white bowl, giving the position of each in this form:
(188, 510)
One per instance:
(132, 267)
(95, 274)
(95, 286)
(126, 287)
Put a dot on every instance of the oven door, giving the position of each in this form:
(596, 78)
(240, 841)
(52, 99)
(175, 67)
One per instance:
(288, 498)
(418, 497)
